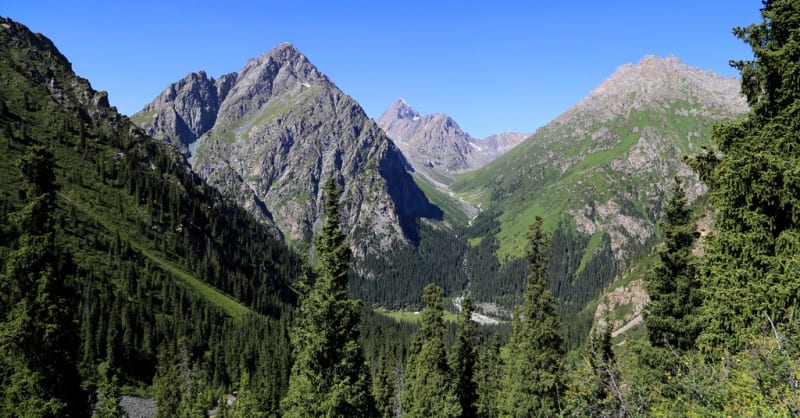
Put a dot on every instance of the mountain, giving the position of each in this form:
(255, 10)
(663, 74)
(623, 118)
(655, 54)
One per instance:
(272, 133)
(436, 146)
(157, 260)
(600, 172)
(499, 144)
(607, 162)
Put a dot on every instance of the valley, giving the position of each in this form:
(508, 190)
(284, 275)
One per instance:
(254, 244)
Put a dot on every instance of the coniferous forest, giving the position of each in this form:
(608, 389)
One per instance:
(123, 274)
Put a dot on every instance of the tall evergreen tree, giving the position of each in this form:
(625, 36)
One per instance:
(108, 405)
(246, 406)
(533, 380)
(329, 377)
(753, 261)
(463, 360)
(168, 384)
(383, 382)
(38, 345)
(673, 285)
(429, 384)
(489, 379)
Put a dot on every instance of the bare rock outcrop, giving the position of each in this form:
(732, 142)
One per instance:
(272, 133)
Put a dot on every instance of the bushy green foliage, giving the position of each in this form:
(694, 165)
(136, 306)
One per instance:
(489, 379)
(38, 344)
(761, 379)
(753, 261)
(594, 387)
(246, 405)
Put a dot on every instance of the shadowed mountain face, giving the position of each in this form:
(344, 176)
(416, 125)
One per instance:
(269, 135)
(436, 146)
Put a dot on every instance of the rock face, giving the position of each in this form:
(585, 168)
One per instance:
(673, 105)
(271, 134)
(186, 109)
(436, 146)
(499, 144)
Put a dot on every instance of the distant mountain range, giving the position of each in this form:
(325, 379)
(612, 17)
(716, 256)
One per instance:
(270, 134)
(436, 146)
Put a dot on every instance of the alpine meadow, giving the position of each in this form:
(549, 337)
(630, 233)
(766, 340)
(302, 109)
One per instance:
(256, 245)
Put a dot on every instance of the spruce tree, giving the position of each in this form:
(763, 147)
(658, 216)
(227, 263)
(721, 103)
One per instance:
(607, 393)
(329, 377)
(753, 260)
(489, 379)
(383, 387)
(168, 384)
(108, 405)
(429, 383)
(463, 359)
(673, 285)
(38, 344)
(246, 405)
(533, 380)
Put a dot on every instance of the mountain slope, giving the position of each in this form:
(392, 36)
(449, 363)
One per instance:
(600, 172)
(607, 162)
(272, 133)
(157, 256)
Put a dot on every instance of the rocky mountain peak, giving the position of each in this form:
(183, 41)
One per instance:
(189, 108)
(656, 80)
(280, 128)
(283, 62)
(435, 145)
(402, 110)
(21, 37)
(610, 160)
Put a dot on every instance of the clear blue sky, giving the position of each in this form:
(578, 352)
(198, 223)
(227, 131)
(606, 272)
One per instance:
(493, 66)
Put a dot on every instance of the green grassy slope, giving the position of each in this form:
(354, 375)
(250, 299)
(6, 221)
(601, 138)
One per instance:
(158, 258)
(556, 171)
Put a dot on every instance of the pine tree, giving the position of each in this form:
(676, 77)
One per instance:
(329, 377)
(608, 400)
(246, 406)
(673, 285)
(429, 383)
(168, 385)
(108, 406)
(753, 261)
(533, 378)
(383, 388)
(38, 344)
(463, 359)
(489, 379)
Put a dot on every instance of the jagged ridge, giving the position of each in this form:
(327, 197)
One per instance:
(435, 144)
(271, 133)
